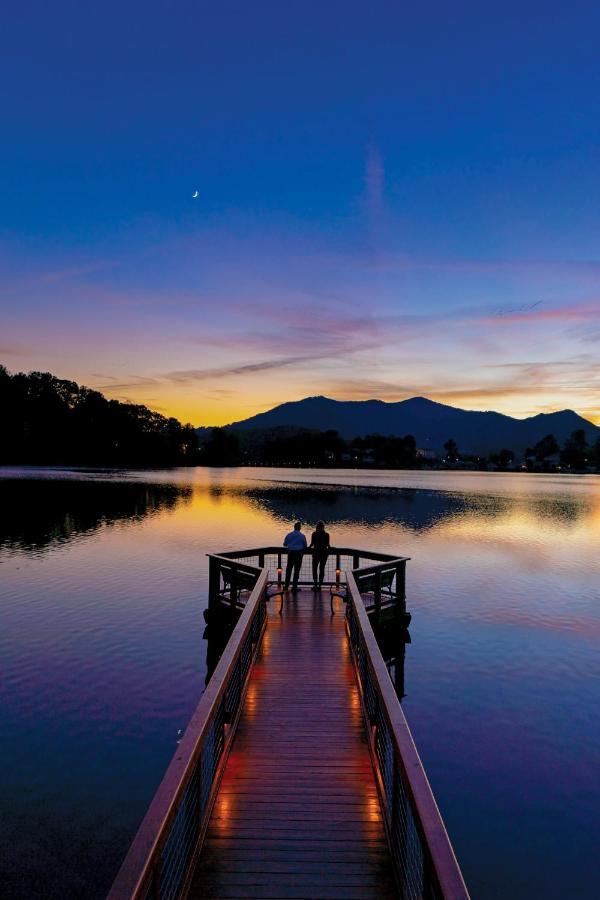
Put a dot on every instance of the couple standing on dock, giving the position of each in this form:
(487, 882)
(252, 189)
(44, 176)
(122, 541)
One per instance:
(296, 544)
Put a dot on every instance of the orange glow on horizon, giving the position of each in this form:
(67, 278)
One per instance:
(201, 410)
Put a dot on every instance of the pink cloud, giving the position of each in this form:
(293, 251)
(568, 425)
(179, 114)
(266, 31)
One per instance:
(571, 313)
(57, 276)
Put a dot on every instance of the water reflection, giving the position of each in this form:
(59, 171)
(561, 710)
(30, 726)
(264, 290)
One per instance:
(102, 657)
(36, 514)
(392, 642)
(216, 636)
(417, 510)
(414, 509)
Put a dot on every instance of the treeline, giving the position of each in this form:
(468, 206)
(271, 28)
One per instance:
(300, 447)
(50, 421)
(575, 453)
(546, 455)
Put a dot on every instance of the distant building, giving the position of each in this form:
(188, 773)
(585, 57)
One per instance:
(548, 464)
(426, 454)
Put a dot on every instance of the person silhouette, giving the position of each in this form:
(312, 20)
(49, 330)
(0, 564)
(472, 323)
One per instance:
(295, 542)
(320, 544)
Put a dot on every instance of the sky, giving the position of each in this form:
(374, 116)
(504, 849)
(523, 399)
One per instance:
(394, 200)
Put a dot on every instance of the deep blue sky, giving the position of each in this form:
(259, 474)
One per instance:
(385, 191)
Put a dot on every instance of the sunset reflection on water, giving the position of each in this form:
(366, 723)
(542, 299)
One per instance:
(104, 580)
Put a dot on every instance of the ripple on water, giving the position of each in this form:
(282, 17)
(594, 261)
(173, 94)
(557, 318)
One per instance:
(103, 658)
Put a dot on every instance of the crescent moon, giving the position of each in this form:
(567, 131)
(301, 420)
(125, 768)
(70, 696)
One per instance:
(196, 194)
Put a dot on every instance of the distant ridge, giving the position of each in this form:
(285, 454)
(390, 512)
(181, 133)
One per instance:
(431, 423)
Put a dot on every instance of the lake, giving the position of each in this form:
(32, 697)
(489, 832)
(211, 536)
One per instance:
(103, 580)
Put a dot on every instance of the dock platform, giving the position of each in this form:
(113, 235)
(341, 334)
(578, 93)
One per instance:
(297, 813)
(297, 776)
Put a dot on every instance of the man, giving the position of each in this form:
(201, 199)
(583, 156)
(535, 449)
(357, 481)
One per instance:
(295, 542)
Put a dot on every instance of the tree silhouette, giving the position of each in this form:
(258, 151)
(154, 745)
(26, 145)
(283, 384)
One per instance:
(548, 446)
(594, 455)
(221, 449)
(451, 448)
(574, 452)
(51, 421)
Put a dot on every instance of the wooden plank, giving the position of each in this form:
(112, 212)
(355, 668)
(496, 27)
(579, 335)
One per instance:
(295, 828)
(296, 879)
(284, 891)
(257, 859)
(252, 842)
(249, 871)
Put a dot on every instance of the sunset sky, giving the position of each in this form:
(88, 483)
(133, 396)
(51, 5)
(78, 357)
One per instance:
(394, 199)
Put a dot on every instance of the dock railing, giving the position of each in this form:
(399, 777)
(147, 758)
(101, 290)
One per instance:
(230, 580)
(161, 857)
(381, 577)
(160, 860)
(424, 860)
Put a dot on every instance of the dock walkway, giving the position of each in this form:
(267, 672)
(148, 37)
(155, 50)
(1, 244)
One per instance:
(297, 776)
(297, 813)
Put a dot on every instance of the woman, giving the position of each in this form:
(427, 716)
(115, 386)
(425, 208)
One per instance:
(319, 543)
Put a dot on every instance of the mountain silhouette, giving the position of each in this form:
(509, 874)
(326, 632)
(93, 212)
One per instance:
(431, 423)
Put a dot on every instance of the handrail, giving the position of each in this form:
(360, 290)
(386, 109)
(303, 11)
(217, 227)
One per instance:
(224, 584)
(160, 860)
(243, 567)
(345, 551)
(229, 560)
(188, 789)
(388, 564)
(410, 811)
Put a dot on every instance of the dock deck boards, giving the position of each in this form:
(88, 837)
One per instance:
(297, 814)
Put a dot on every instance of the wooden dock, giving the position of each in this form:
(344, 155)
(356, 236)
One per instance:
(297, 776)
(297, 813)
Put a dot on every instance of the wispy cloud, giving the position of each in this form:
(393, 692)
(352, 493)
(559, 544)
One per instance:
(546, 385)
(112, 383)
(581, 271)
(212, 319)
(13, 350)
(576, 312)
(190, 375)
(55, 276)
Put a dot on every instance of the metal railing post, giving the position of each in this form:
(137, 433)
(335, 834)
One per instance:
(214, 580)
(233, 586)
(377, 593)
(401, 586)
(156, 877)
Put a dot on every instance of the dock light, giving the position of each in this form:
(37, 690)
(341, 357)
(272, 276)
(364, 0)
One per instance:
(279, 571)
(337, 575)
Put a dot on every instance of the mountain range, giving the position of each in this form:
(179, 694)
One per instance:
(429, 422)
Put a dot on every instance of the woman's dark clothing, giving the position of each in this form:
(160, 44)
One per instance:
(320, 541)
(320, 546)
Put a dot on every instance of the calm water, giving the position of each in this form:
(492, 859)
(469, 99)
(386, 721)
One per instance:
(103, 580)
